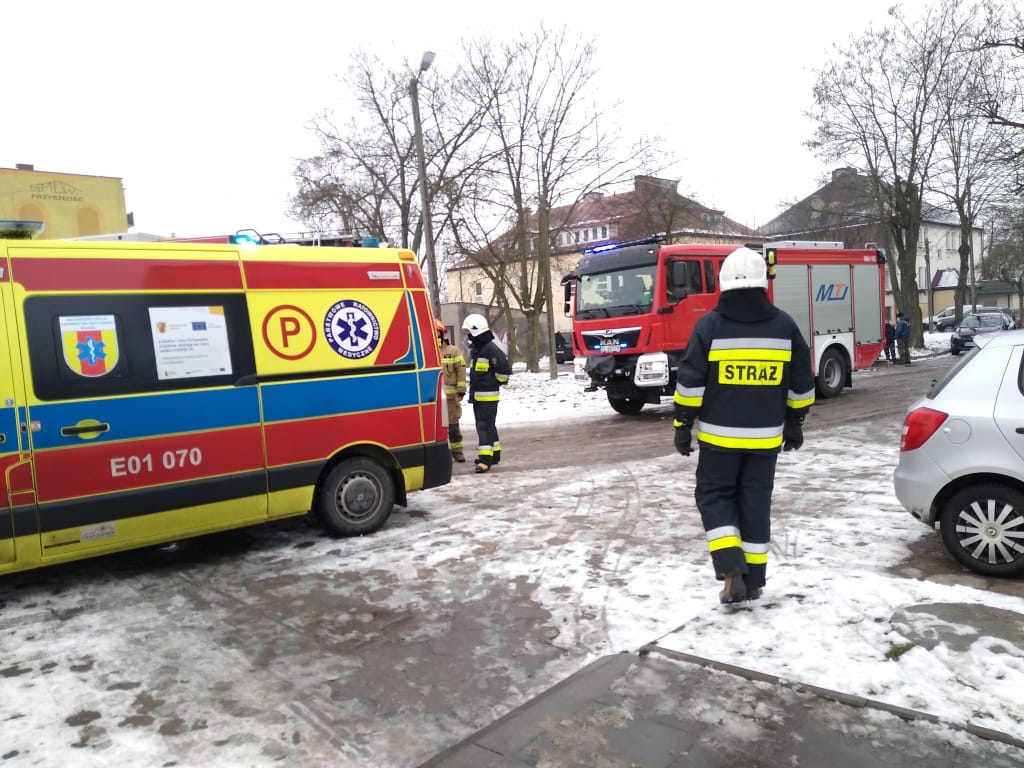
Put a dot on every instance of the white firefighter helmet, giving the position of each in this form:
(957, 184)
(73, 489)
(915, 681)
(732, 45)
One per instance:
(743, 268)
(475, 324)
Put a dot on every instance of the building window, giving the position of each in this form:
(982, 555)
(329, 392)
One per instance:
(478, 290)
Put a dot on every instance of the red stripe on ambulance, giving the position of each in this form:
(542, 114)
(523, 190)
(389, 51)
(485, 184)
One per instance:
(305, 275)
(85, 274)
(294, 442)
(112, 467)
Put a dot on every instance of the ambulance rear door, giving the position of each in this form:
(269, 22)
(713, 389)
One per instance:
(10, 434)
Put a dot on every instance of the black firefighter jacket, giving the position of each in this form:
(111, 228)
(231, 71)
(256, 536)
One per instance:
(488, 369)
(746, 367)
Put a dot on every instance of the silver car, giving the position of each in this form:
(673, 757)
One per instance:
(962, 457)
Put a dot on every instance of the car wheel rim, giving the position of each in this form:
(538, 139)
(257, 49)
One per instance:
(357, 497)
(991, 530)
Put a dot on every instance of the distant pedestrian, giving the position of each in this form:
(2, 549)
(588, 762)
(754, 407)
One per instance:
(890, 343)
(903, 337)
(745, 383)
(488, 372)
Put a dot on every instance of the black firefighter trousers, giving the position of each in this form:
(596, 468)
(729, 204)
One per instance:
(734, 495)
(485, 413)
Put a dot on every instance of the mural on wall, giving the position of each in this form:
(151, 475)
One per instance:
(69, 205)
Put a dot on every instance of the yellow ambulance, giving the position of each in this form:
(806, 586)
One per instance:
(155, 391)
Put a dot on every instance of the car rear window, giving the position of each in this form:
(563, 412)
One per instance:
(939, 384)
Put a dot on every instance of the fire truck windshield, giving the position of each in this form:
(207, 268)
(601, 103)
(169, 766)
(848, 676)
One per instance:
(619, 292)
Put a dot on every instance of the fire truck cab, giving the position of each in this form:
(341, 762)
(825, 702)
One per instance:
(634, 306)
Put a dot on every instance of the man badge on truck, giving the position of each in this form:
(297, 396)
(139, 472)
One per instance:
(351, 329)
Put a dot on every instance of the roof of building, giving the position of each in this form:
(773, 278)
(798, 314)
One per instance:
(990, 287)
(638, 213)
(847, 201)
(945, 278)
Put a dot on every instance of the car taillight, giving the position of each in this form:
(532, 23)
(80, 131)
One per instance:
(919, 425)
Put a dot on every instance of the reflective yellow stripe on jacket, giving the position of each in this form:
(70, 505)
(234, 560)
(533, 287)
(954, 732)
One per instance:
(689, 397)
(799, 399)
(755, 438)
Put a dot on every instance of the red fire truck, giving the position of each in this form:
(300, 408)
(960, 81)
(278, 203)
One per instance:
(634, 305)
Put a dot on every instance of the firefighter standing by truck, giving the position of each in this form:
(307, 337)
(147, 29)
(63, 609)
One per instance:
(488, 372)
(454, 365)
(745, 382)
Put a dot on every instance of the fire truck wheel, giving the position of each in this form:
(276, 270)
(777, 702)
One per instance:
(357, 497)
(630, 406)
(831, 374)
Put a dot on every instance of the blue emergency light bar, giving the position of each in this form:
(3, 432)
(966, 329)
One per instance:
(250, 237)
(605, 247)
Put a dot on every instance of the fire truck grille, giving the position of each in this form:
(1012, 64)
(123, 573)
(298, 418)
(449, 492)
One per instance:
(626, 341)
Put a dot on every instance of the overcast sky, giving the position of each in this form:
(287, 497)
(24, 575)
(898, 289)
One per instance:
(202, 107)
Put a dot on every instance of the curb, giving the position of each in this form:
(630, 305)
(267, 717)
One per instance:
(852, 700)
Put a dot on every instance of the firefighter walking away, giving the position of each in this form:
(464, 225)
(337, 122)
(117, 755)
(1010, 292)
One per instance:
(454, 365)
(488, 372)
(745, 385)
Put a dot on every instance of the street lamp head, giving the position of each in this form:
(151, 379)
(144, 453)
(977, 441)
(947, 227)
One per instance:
(428, 59)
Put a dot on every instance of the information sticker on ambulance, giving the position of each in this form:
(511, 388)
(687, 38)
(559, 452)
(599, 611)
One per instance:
(189, 342)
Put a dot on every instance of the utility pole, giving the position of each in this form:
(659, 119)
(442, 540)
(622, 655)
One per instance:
(928, 278)
(428, 226)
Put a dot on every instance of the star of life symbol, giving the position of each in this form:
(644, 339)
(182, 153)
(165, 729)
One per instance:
(351, 329)
(91, 351)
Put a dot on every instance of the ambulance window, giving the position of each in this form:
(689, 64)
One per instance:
(99, 345)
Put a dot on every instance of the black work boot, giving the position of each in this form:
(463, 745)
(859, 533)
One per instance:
(734, 591)
(753, 590)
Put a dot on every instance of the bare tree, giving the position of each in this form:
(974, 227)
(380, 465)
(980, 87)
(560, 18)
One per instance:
(365, 177)
(971, 170)
(875, 106)
(1006, 249)
(663, 211)
(1002, 30)
(550, 147)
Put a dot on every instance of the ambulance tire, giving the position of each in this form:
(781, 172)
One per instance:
(357, 497)
(832, 374)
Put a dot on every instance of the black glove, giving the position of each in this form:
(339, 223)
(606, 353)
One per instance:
(684, 418)
(683, 438)
(793, 433)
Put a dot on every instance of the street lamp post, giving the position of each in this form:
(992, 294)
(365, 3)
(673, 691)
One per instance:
(428, 227)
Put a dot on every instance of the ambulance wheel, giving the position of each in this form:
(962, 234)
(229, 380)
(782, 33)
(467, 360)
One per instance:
(357, 497)
(630, 406)
(831, 374)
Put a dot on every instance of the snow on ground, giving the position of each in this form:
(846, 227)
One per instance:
(829, 590)
(618, 558)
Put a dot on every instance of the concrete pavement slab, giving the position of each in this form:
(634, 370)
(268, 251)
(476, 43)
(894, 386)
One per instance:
(666, 710)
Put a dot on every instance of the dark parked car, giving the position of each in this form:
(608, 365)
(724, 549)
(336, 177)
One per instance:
(946, 319)
(973, 324)
(563, 348)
